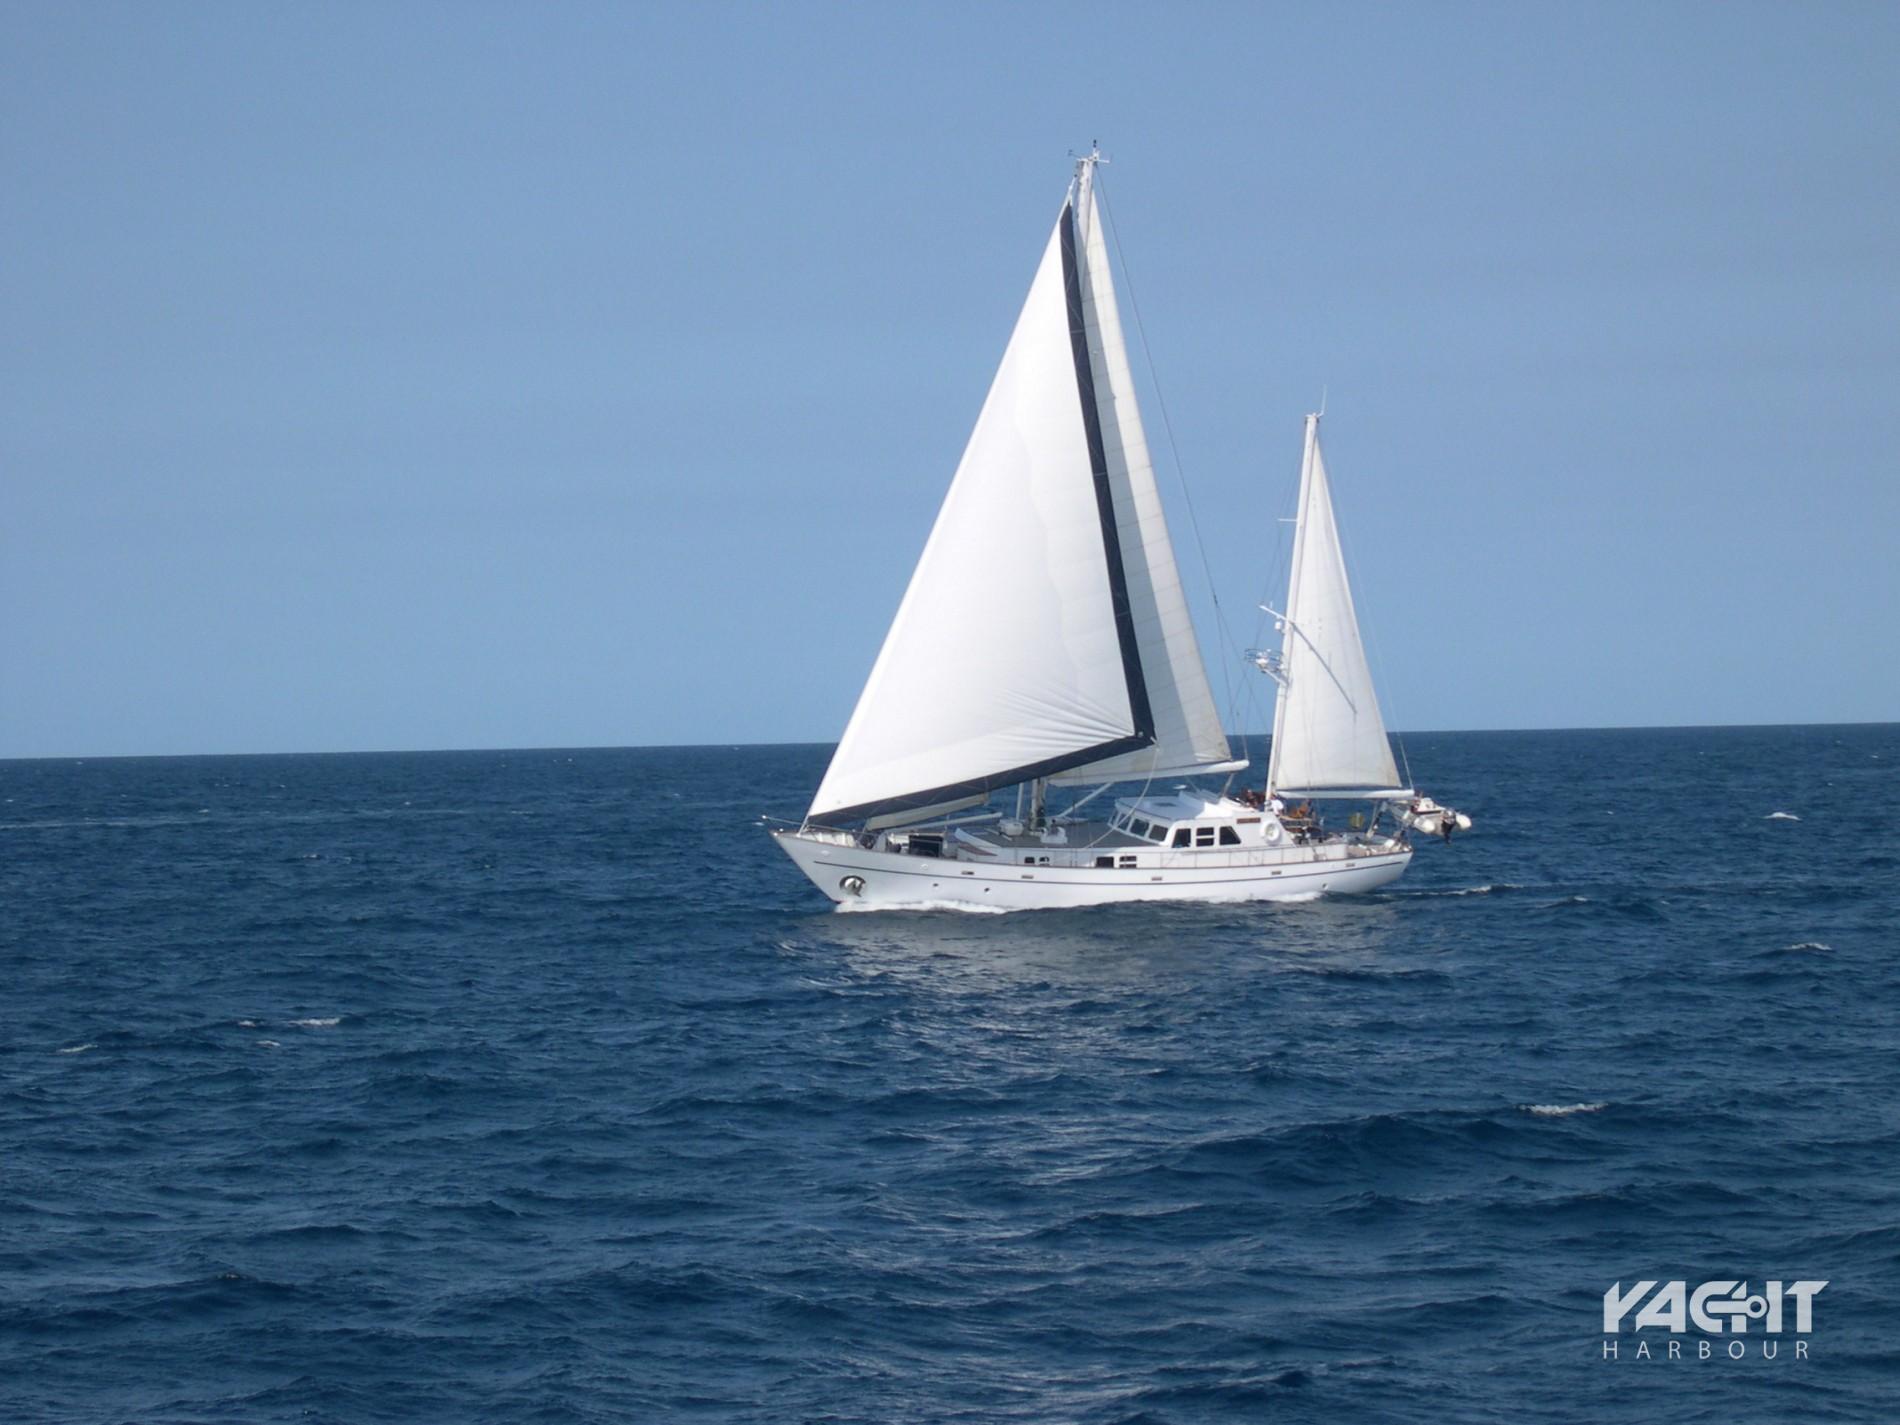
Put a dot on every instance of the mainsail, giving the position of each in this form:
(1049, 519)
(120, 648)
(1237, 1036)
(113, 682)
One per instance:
(1013, 653)
(1044, 630)
(1328, 736)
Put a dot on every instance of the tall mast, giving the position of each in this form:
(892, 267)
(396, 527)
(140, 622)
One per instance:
(1084, 184)
(1287, 632)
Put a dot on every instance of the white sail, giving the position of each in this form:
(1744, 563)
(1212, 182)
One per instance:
(1188, 734)
(1328, 737)
(1013, 653)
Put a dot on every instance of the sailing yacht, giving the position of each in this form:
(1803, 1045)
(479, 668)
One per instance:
(1044, 645)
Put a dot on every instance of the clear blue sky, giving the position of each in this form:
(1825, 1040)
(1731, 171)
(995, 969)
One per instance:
(412, 376)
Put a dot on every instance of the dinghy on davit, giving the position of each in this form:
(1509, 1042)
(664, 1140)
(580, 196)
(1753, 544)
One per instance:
(1044, 643)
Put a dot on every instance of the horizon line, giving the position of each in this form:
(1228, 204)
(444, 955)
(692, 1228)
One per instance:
(1264, 736)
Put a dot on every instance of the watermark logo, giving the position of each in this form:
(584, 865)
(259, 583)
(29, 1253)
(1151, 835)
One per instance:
(1715, 1308)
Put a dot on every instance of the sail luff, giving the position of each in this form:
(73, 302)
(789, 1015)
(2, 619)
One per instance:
(1074, 283)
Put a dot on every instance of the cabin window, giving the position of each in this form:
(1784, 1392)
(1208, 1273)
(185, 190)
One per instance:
(1203, 836)
(1128, 863)
(1107, 861)
(1183, 836)
(1229, 837)
(1139, 827)
(1157, 834)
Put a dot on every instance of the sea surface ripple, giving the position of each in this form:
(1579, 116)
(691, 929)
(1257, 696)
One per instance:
(538, 1086)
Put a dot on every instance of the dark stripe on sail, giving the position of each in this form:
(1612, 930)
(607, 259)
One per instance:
(983, 786)
(1104, 497)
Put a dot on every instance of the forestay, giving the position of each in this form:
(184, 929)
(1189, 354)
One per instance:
(1328, 736)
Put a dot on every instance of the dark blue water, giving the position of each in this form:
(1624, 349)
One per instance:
(538, 1086)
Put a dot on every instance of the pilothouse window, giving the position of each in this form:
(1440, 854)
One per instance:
(1183, 836)
(1229, 837)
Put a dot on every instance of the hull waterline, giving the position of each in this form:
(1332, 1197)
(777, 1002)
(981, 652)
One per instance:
(849, 874)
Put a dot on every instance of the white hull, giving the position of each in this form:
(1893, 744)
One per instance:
(894, 880)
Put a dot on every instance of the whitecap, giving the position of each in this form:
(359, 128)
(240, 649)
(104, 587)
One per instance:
(1561, 1110)
(77, 1048)
(1808, 945)
(268, 1044)
(1781, 816)
(330, 1023)
(247, 1024)
(863, 907)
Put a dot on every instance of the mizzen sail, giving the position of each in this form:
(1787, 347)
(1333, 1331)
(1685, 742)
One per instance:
(1328, 736)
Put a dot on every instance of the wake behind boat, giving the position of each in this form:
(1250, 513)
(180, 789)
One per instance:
(1044, 642)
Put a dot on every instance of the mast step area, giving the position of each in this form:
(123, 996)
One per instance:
(930, 871)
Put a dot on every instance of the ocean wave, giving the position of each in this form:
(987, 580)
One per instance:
(1322, 1152)
(1561, 1110)
(1496, 888)
(75, 1048)
(1781, 816)
(1100, 1165)
(1368, 973)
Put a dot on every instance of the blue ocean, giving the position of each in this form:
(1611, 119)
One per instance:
(539, 1086)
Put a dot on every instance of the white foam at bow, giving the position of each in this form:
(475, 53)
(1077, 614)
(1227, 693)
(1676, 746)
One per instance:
(853, 907)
